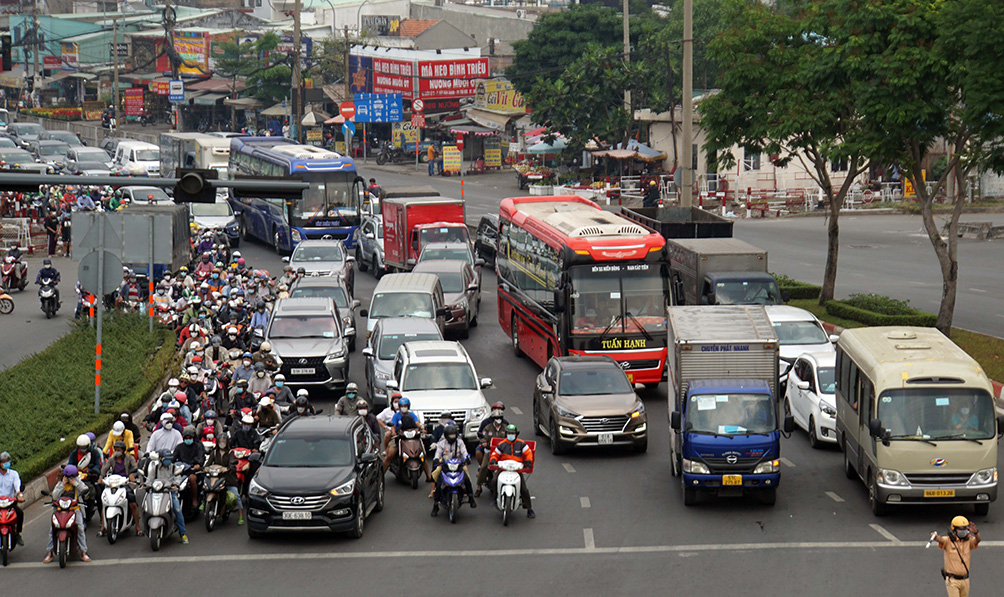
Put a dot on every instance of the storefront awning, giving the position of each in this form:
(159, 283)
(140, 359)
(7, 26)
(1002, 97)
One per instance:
(247, 103)
(477, 131)
(59, 76)
(218, 84)
(276, 110)
(491, 120)
(209, 99)
(85, 76)
(13, 77)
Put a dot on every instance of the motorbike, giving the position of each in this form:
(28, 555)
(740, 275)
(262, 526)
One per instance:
(15, 273)
(243, 465)
(157, 511)
(146, 118)
(64, 526)
(507, 487)
(47, 297)
(267, 435)
(452, 480)
(6, 303)
(215, 497)
(115, 507)
(90, 505)
(392, 154)
(8, 527)
(408, 464)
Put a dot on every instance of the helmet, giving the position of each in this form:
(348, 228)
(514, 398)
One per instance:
(247, 420)
(265, 401)
(498, 406)
(174, 404)
(404, 402)
(217, 340)
(119, 445)
(118, 428)
(960, 522)
(193, 328)
(195, 346)
(446, 415)
(352, 387)
(301, 401)
(90, 435)
(302, 392)
(173, 382)
(266, 347)
(232, 331)
(4, 456)
(181, 397)
(246, 355)
(279, 377)
(242, 382)
(300, 271)
(47, 262)
(166, 456)
(70, 470)
(83, 441)
(511, 429)
(166, 417)
(450, 432)
(361, 403)
(259, 366)
(210, 414)
(188, 432)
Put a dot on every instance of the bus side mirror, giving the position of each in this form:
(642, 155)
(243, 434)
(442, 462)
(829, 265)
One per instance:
(674, 420)
(789, 424)
(560, 303)
(877, 431)
(1000, 425)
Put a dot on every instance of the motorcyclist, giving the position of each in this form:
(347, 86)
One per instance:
(205, 266)
(10, 486)
(492, 427)
(404, 419)
(445, 418)
(233, 339)
(245, 436)
(163, 470)
(70, 483)
(264, 355)
(287, 276)
(259, 319)
(209, 427)
(221, 456)
(302, 407)
(166, 437)
(245, 370)
(50, 272)
(129, 291)
(451, 447)
(387, 414)
(283, 395)
(347, 404)
(267, 414)
(192, 453)
(119, 434)
(260, 381)
(513, 448)
(375, 426)
(83, 449)
(241, 398)
(122, 463)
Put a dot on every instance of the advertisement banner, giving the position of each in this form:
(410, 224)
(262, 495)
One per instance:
(440, 106)
(450, 78)
(403, 132)
(133, 101)
(93, 110)
(360, 69)
(493, 152)
(70, 54)
(393, 76)
(52, 62)
(314, 136)
(498, 96)
(160, 87)
(380, 24)
(451, 158)
(193, 49)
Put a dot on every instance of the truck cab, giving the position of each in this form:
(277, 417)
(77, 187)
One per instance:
(728, 435)
(740, 288)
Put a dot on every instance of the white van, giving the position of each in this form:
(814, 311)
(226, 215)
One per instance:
(136, 158)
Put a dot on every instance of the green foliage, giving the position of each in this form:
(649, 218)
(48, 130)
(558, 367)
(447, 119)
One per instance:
(880, 304)
(327, 61)
(267, 72)
(48, 399)
(797, 290)
(894, 312)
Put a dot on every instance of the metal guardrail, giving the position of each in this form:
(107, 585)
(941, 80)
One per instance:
(92, 134)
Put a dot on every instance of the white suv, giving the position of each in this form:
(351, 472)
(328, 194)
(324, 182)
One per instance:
(439, 376)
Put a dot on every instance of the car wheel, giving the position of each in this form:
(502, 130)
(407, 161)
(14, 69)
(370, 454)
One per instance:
(466, 332)
(848, 467)
(474, 316)
(982, 509)
(516, 349)
(536, 420)
(813, 439)
(689, 496)
(357, 531)
(244, 229)
(557, 446)
(363, 266)
(878, 508)
(275, 242)
(377, 272)
(352, 344)
(381, 490)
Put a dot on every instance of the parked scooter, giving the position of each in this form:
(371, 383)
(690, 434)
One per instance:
(15, 273)
(408, 465)
(8, 527)
(392, 154)
(215, 497)
(6, 303)
(507, 487)
(47, 297)
(452, 494)
(115, 507)
(64, 527)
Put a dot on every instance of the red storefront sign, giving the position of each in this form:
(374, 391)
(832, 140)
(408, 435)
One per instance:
(393, 76)
(133, 101)
(450, 78)
(52, 62)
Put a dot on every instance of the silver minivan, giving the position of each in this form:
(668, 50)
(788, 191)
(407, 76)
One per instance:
(406, 295)
(308, 336)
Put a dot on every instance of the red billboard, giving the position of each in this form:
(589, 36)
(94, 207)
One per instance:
(133, 101)
(450, 78)
(393, 76)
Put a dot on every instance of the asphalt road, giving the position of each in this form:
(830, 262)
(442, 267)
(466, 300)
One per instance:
(608, 522)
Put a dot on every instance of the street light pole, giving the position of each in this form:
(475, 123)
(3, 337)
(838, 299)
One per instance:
(359, 19)
(627, 55)
(297, 91)
(686, 170)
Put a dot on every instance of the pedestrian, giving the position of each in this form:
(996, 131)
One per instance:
(963, 537)
(64, 225)
(652, 195)
(51, 225)
(431, 158)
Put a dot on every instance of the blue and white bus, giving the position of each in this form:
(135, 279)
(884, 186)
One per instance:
(330, 207)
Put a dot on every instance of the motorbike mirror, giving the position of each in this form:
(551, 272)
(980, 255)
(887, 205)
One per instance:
(254, 457)
(364, 312)
(367, 458)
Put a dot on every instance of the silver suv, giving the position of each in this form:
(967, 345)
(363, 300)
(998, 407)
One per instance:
(324, 257)
(308, 335)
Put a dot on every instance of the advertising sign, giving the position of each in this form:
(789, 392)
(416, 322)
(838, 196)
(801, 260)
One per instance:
(450, 78)
(360, 74)
(70, 54)
(403, 131)
(493, 152)
(133, 101)
(451, 158)
(52, 62)
(498, 96)
(439, 106)
(193, 48)
(379, 107)
(381, 25)
(393, 76)
(176, 91)
(314, 136)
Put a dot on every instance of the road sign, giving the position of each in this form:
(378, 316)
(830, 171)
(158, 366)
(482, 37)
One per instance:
(460, 142)
(417, 105)
(87, 272)
(349, 129)
(347, 110)
(378, 107)
(176, 91)
(122, 51)
(418, 121)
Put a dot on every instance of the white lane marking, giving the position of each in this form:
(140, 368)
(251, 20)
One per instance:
(881, 531)
(1000, 314)
(834, 497)
(516, 410)
(977, 290)
(584, 502)
(483, 553)
(568, 468)
(587, 534)
(787, 463)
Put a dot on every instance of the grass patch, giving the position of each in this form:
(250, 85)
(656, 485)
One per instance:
(47, 400)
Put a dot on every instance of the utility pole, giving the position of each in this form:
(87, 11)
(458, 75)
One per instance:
(348, 80)
(34, 39)
(297, 91)
(115, 61)
(627, 56)
(685, 168)
(173, 58)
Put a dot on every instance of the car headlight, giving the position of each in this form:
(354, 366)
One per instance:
(888, 476)
(344, 489)
(335, 355)
(564, 412)
(381, 376)
(695, 468)
(984, 477)
(256, 490)
(479, 413)
(766, 467)
(638, 411)
(295, 235)
(827, 410)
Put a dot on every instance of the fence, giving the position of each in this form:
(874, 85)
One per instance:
(28, 234)
(90, 133)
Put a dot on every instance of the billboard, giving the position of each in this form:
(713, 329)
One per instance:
(380, 24)
(393, 76)
(133, 101)
(193, 49)
(450, 78)
(498, 96)
(360, 70)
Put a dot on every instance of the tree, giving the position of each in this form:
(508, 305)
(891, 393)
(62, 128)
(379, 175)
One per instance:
(786, 91)
(327, 61)
(266, 71)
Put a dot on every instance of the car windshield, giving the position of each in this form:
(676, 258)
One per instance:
(92, 155)
(453, 282)
(150, 194)
(5, 142)
(800, 332)
(389, 343)
(730, 414)
(618, 299)
(147, 155)
(317, 253)
(444, 234)
(12, 156)
(439, 376)
(26, 128)
(937, 413)
(827, 380)
(92, 166)
(47, 149)
(745, 292)
(440, 253)
(66, 137)
(309, 452)
(592, 382)
(306, 326)
(219, 209)
(402, 304)
(332, 292)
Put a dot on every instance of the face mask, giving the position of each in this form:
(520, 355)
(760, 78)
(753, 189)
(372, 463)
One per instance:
(243, 390)
(362, 412)
(199, 353)
(246, 427)
(247, 363)
(300, 410)
(962, 534)
(279, 384)
(168, 425)
(216, 276)
(119, 453)
(261, 374)
(6, 466)
(188, 442)
(965, 411)
(351, 395)
(210, 422)
(511, 437)
(404, 409)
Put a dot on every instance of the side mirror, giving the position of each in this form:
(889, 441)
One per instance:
(391, 384)
(802, 385)
(349, 332)
(367, 458)
(479, 262)
(368, 352)
(350, 259)
(364, 312)
(473, 286)
(285, 259)
(442, 312)
(875, 428)
(254, 457)
(1000, 425)
(674, 420)
(834, 338)
(705, 300)
(546, 389)
(560, 304)
(789, 424)
(785, 296)
(369, 235)
(486, 382)
(355, 304)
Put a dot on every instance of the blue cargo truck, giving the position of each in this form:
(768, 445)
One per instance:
(725, 420)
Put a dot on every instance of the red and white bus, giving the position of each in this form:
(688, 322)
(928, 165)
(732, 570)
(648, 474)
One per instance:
(574, 279)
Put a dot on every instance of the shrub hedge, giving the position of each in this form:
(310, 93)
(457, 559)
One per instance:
(47, 400)
(908, 316)
(798, 290)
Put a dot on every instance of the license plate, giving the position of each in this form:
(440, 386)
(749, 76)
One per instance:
(605, 438)
(939, 493)
(732, 479)
(307, 371)
(296, 515)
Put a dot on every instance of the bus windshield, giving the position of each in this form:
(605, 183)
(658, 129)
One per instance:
(328, 202)
(937, 413)
(730, 414)
(618, 298)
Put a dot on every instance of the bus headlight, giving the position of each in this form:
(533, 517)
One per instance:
(295, 235)
(769, 466)
(695, 468)
(890, 477)
(986, 476)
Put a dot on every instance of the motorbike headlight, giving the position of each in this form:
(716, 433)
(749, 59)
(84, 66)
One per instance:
(766, 467)
(888, 476)
(984, 477)
(694, 467)
(55, 521)
(344, 489)
(827, 410)
(158, 485)
(295, 235)
(256, 490)
(564, 412)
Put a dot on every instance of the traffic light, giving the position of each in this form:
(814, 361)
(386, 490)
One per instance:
(193, 186)
(5, 55)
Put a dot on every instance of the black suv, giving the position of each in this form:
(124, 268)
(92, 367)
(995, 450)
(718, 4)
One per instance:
(486, 237)
(320, 473)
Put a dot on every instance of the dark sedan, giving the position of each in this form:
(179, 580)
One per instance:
(321, 473)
